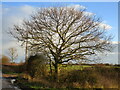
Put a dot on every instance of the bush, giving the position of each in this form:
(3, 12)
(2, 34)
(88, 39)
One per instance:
(36, 66)
(81, 77)
(5, 60)
(108, 72)
(108, 76)
(7, 69)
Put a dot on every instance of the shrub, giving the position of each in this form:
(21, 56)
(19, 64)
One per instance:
(5, 60)
(7, 69)
(108, 72)
(36, 66)
(81, 77)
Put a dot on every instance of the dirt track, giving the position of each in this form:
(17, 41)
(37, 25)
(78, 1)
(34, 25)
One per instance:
(7, 85)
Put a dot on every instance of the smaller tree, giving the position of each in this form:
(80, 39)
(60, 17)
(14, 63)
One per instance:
(12, 52)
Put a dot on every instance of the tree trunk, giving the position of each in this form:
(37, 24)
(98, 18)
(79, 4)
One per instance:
(12, 59)
(50, 68)
(56, 72)
(26, 55)
(26, 51)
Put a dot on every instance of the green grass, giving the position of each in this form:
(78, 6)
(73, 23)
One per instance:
(74, 67)
(69, 67)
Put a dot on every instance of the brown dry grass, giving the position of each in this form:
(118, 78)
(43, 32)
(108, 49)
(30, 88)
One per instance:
(97, 77)
(9, 75)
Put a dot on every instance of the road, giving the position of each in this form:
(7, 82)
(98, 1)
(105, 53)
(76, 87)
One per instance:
(7, 85)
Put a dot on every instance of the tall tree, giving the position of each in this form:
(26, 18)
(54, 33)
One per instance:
(63, 34)
(12, 52)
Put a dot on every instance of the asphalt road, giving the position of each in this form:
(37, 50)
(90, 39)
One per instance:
(7, 85)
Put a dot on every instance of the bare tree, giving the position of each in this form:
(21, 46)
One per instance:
(12, 52)
(63, 34)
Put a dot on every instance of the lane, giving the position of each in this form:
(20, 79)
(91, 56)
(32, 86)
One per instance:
(7, 85)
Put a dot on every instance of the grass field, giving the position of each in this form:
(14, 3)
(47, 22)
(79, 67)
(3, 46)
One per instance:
(70, 67)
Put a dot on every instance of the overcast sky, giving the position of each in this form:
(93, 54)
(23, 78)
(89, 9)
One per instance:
(14, 13)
